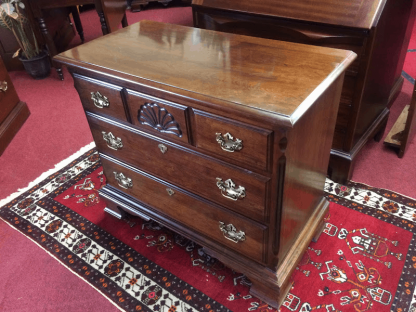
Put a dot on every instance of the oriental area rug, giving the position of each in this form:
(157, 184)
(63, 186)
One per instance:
(365, 260)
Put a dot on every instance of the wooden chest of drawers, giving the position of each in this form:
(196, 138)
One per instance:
(223, 138)
(377, 30)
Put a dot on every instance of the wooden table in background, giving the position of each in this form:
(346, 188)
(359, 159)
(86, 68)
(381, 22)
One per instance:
(110, 12)
(377, 30)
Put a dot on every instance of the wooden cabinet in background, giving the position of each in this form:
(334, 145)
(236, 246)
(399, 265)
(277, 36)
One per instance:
(225, 139)
(377, 30)
(13, 112)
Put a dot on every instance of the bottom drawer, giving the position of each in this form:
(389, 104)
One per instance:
(247, 238)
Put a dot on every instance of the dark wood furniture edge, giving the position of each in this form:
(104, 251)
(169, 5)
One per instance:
(375, 131)
(113, 204)
(202, 7)
(11, 125)
(395, 91)
(319, 231)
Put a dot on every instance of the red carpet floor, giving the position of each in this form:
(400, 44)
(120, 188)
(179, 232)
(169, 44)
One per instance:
(57, 128)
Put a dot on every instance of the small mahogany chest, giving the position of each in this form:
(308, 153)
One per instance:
(223, 138)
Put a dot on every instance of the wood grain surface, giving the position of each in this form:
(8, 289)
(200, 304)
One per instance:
(243, 70)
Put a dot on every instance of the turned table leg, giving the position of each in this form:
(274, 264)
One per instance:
(78, 24)
(50, 46)
(124, 22)
(104, 27)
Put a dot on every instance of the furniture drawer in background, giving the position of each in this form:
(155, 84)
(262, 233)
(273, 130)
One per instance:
(182, 167)
(158, 116)
(253, 147)
(187, 209)
(108, 101)
(8, 95)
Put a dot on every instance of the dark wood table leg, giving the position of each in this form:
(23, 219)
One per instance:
(124, 22)
(104, 27)
(77, 21)
(50, 44)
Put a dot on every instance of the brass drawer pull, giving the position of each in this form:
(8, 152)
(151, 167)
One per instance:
(3, 86)
(230, 232)
(112, 142)
(99, 100)
(123, 181)
(227, 142)
(170, 191)
(228, 189)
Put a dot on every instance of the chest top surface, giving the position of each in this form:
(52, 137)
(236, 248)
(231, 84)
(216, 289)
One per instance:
(362, 14)
(274, 76)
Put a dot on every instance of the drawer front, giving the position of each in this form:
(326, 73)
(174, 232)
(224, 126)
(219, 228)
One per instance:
(161, 117)
(100, 97)
(234, 140)
(187, 209)
(185, 168)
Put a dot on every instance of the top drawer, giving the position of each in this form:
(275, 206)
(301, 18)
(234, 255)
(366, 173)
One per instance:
(100, 97)
(161, 117)
(234, 140)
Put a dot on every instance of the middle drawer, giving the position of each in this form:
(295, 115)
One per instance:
(237, 189)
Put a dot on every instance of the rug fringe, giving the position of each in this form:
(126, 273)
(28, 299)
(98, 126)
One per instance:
(53, 256)
(44, 175)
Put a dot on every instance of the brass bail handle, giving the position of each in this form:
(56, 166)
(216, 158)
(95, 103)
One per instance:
(231, 233)
(229, 189)
(228, 143)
